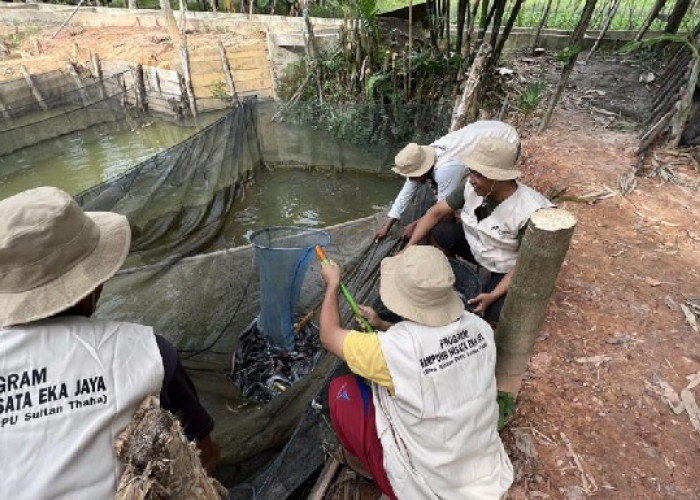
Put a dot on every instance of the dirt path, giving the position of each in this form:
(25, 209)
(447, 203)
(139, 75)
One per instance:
(591, 408)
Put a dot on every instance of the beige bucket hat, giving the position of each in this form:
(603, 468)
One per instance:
(414, 160)
(493, 158)
(418, 284)
(52, 254)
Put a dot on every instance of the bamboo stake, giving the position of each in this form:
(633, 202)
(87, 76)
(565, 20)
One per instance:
(604, 29)
(227, 72)
(3, 110)
(650, 19)
(541, 255)
(542, 24)
(185, 56)
(140, 88)
(576, 39)
(465, 108)
(67, 19)
(35, 91)
(78, 82)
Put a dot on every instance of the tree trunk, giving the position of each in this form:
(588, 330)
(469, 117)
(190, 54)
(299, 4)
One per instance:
(650, 19)
(677, 14)
(462, 9)
(574, 42)
(498, 18)
(465, 109)
(506, 32)
(482, 29)
(543, 23)
(604, 29)
(541, 255)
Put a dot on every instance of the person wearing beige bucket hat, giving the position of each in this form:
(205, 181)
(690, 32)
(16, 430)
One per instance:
(439, 165)
(70, 383)
(428, 376)
(494, 209)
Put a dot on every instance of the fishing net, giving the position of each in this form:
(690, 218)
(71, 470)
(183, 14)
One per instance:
(66, 106)
(282, 255)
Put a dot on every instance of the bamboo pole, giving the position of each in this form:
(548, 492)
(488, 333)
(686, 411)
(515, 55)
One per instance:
(686, 103)
(35, 91)
(170, 21)
(141, 102)
(576, 39)
(227, 72)
(604, 29)
(658, 5)
(540, 258)
(67, 19)
(185, 57)
(79, 83)
(133, 5)
(542, 24)
(495, 56)
(97, 72)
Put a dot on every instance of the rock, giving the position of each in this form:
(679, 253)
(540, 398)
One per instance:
(573, 493)
(647, 77)
(649, 452)
(523, 442)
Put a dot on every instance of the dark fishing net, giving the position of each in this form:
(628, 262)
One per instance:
(178, 200)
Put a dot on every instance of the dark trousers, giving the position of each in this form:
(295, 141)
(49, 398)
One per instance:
(450, 237)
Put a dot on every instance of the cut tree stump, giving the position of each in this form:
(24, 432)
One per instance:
(541, 255)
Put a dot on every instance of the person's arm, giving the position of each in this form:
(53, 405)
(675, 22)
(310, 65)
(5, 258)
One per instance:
(179, 396)
(400, 203)
(332, 333)
(435, 214)
(484, 300)
(449, 177)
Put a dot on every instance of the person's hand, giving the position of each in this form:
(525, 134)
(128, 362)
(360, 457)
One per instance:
(482, 301)
(331, 274)
(408, 232)
(381, 233)
(371, 315)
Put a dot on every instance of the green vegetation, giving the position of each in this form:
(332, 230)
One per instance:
(530, 99)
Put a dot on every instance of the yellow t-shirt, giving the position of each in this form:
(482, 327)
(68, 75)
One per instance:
(364, 356)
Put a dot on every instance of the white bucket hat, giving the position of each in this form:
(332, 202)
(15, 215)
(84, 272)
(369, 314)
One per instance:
(52, 254)
(493, 158)
(418, 284)
(414, 160)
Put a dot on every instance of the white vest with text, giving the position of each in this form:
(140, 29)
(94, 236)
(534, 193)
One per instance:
(494, 240)
(439, 430)
(68, 387)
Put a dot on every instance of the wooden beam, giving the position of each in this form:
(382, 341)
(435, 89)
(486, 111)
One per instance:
(227, 72)
(35, 91)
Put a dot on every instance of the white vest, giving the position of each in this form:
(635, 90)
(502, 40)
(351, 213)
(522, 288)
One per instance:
(68, 387)
(439, 431)
(494, 240)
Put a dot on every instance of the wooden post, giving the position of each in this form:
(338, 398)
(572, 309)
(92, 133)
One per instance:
(183, 18)
(141, 102)
(170, 21)
(543, 23)
(185, 56)
(79, 83)
(97, 72)
(133, 5)
(541, 255)
(35, 91)
(604, 29)
(227, 73)
(465, 108)
(658, 5)
(576, 39)
(67, 19)
(3, 111)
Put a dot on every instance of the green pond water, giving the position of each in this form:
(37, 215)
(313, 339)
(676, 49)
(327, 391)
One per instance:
(282, 196)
